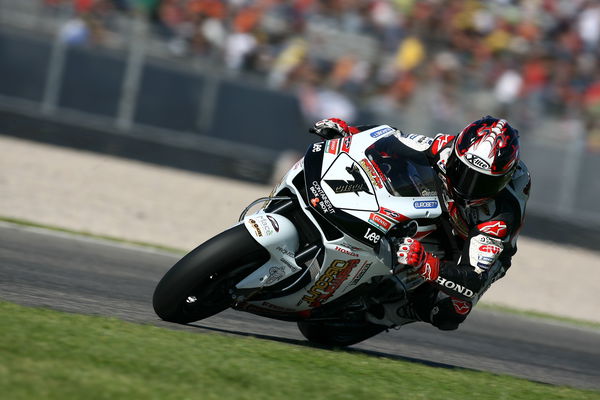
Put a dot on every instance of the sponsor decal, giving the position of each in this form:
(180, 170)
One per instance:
(379, 172)
(317, 147)
(332, 146)
(381, 132)
(425, 140)
(427, 192)
(488, 248)
(320, 199)
(361, 272)
(290, 266)
(274, 223)
(346, 251)
(370, 170)
(454, 286)
(396, 216)
(335, 275)
(351, 247)
(460, 306)
(254, 225)
(275, 275)
(494, 228)
(418, 142)
(380, 222)
(484, 251)
(285, 251)
(356, 185)
(294, 268)
(425, 204)
(346, 144)
(265, 224)
(477, 161)
(372, 236)
(487, 240)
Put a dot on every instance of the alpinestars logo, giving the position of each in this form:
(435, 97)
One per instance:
(440, 142)
(494, 228)
(350, 186)
(460, 306)
(427, 272)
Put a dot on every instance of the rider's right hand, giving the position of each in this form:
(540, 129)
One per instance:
(331, 128)
(412, 253)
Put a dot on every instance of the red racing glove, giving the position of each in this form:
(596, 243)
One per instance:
(412, 253)
(333, 127)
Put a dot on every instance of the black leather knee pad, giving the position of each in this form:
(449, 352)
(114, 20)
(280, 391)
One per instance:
(448, 313)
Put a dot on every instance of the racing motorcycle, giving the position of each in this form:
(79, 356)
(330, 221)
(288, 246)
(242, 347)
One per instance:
(321, 250)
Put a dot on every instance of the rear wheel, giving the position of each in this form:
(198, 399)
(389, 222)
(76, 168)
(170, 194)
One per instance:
(200, 284)
(341, 334)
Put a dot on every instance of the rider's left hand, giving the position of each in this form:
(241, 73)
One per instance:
(331, 128)
(411, 252)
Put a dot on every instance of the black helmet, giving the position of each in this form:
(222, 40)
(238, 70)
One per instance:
(484, 156)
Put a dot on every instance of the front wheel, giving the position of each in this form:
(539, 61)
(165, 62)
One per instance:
(200, 284)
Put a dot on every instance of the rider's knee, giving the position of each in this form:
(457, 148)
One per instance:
(449, 313)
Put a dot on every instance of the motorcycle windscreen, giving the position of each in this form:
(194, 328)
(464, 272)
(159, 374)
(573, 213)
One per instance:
(404, 171)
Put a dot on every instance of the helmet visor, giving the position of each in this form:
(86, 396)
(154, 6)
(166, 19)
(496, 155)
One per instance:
(470, 184)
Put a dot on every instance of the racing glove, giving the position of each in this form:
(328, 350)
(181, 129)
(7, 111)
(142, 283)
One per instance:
(331, 128)
(412, 253)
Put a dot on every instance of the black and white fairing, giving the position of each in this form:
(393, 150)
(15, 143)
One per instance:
(352, 192)
(369, 183)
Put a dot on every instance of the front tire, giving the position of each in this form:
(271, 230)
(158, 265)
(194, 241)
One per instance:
(199, 285)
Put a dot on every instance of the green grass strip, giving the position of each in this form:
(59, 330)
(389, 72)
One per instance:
(52, 355)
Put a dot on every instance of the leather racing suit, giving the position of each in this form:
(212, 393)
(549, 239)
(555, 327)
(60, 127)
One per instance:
(479, 240)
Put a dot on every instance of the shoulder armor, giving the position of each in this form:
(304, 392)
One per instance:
(440, 142)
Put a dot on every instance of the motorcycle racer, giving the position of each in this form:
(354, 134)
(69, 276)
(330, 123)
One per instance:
(483, 188)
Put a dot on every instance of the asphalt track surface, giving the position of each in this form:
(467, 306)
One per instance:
(88, 276)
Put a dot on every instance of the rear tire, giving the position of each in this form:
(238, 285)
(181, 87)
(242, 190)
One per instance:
(338, 334)
(199, 285)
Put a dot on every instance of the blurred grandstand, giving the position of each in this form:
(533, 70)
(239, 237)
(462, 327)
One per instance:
(248, 77)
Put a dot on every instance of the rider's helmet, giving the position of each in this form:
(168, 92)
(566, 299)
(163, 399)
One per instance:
(484, 156)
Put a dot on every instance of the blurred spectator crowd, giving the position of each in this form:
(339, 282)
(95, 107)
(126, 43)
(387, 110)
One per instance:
(523, 60)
